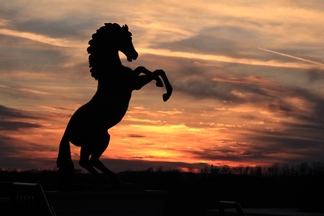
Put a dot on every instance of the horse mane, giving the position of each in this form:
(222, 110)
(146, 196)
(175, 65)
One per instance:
(103, 41)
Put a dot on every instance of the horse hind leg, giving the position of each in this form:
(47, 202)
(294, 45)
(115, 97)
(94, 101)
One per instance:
(100, 166)
(96, 154)
(84, 162)
(89, 159)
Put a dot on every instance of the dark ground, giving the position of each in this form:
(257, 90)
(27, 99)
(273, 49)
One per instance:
(193, 193)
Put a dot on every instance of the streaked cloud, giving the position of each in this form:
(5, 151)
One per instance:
(39, 38)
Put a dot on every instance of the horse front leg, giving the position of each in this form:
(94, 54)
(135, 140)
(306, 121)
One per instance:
(167, 84)
(141, 69)
(143, 80)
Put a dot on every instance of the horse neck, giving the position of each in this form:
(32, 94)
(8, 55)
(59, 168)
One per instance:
(109, 81)
(113, 60)
(110, 65)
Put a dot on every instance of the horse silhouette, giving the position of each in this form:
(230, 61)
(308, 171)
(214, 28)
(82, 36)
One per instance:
(88, 126)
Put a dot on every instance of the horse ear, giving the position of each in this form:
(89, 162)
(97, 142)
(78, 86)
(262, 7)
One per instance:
(125, 27)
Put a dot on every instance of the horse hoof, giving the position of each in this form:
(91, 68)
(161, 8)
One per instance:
(166, 97)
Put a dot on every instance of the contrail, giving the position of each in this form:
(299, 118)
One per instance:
(291, 56)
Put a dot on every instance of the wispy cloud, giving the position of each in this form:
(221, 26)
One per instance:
(225, 59)
(14, 119)
(247, 80)
(8, 112)
(40, 38)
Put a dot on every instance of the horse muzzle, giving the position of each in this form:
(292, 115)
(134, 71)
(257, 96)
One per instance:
(132, 57)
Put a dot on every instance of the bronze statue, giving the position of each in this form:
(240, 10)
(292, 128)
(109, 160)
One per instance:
(88, 126)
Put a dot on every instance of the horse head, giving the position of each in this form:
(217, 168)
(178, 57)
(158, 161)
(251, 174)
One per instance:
(126, 45)
(105, 45)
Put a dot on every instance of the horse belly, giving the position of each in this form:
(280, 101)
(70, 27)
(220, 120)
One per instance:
(83, 126)
(95, 117)
(113, 117)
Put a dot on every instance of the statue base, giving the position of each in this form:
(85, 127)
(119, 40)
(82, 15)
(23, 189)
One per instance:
(113, 203)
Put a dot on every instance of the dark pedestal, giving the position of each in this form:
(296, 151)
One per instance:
(107, 203)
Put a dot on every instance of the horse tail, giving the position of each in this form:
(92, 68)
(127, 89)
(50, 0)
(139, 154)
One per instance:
(64, 160)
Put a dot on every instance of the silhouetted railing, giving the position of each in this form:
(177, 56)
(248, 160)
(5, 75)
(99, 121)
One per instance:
(222, 205)
(18, 198)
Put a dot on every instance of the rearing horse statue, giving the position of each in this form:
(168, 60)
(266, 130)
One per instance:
(88, 126)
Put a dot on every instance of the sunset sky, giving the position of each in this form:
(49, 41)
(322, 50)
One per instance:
(247, 76)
